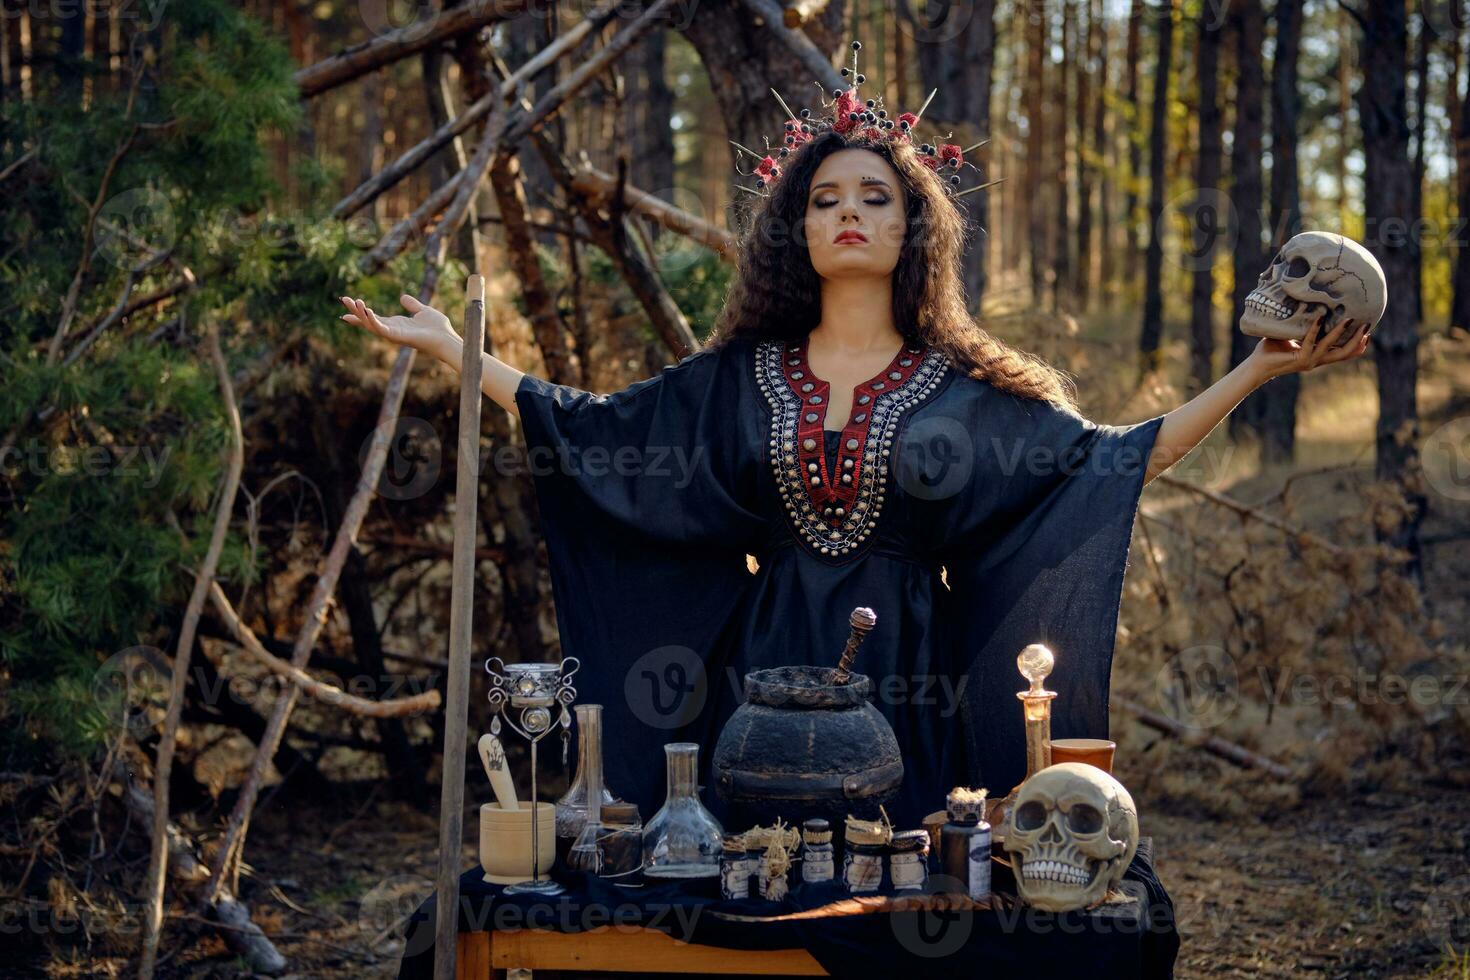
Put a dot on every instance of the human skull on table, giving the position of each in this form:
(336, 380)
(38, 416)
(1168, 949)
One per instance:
(1073, 832)
(1316, 271)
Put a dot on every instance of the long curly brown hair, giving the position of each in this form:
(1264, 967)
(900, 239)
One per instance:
(776, 293)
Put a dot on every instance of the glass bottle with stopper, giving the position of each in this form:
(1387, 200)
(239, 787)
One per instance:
(1035, 663)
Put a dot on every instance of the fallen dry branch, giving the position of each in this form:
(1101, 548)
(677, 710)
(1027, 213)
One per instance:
(819, 66)
(563, 91)
(163, 766)
(1246, 510)
(600, 187)
(562, 365)
(360, 59)
(319, 690)
(611, 236)
(1213, 744)
(187, 871)
(352, 518)
(416, 155)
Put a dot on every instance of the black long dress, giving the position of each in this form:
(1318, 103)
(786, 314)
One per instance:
(972, 521)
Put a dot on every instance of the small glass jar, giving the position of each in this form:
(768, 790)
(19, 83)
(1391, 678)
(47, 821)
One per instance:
(965, 845)
(908, 860)
(816, 851)
(773, 887)
(735, 869)
(862, 868)
(620, 844)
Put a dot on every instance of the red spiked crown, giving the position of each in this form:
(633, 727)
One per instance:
(849, 113)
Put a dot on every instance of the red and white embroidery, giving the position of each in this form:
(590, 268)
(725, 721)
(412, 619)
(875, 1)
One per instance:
(834, 512)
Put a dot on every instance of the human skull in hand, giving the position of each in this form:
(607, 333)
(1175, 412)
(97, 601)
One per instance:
(1316, 271)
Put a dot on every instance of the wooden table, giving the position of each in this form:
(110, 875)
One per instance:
(624, 949)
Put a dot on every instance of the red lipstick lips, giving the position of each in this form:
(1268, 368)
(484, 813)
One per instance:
(850, 236)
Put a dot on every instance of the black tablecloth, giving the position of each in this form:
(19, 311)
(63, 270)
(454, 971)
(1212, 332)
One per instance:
(1120, 941)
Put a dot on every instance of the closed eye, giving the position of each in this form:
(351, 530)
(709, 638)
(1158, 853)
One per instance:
(880, 201)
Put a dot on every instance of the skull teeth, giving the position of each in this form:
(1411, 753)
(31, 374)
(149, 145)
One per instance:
(1058, 871)
(1266, 306)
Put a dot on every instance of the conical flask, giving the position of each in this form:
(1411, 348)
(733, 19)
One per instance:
(683, 840)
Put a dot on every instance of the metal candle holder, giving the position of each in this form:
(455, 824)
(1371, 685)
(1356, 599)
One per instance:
(534, 689)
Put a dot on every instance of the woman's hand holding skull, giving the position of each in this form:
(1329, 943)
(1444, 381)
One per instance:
(1274, 358)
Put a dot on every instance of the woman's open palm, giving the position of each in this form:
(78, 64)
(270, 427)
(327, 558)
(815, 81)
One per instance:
(424, 329)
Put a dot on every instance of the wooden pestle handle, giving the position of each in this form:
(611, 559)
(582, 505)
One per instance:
(862, 621)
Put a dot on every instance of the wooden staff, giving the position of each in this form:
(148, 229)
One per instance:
(461, 607)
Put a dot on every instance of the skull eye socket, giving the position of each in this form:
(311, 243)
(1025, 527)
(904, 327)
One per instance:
(1084, 819)
(1030, 816)
(1298, 268)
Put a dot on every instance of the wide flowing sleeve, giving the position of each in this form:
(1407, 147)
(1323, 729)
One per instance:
(1036, 550)
(640, 498)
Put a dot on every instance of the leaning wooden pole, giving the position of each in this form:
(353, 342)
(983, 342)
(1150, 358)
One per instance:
(461, 610)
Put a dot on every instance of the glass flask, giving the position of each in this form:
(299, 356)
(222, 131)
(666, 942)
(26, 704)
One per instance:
(683, 839)
(571, 809)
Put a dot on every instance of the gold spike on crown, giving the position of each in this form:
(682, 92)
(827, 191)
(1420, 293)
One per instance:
(848, 112)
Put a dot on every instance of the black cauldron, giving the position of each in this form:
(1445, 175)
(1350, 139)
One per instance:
(806, 743)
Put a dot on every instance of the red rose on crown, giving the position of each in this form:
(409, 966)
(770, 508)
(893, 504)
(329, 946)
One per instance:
(847, 103)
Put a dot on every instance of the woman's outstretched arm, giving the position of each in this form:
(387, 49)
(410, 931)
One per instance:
(1186, 426)
(428, 331)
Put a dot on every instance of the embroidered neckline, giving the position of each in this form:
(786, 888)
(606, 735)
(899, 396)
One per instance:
(835, 512)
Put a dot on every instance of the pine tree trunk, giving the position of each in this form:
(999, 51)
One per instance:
(1035, 142)
(1207, 219)
(1387, 178)
(1106, 144)
(650, 105)
(1278, 398)
(1459, 114)
(1085, 169)
(1061, 283)
(1426, 39)
(1130, 131)
(745, 61)
(1248, 23)
(1153, 295)
(962, 68)
(521, 38)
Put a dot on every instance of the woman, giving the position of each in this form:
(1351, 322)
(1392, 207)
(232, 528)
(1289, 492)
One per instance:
(852, 428)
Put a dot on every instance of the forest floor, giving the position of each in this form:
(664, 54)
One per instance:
(1374, 882)
(1372, 886)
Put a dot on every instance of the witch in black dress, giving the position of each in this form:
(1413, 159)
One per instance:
(849, 436)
